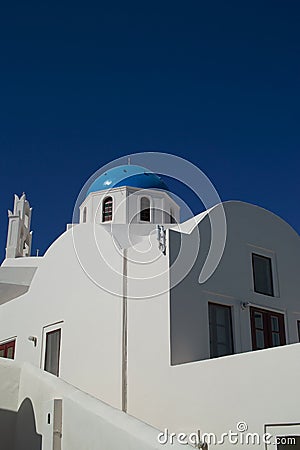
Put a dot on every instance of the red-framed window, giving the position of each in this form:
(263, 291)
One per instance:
(107, 209)
(7, 350)
(267, 328)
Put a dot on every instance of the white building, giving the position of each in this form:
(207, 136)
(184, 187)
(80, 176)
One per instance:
(115, 308)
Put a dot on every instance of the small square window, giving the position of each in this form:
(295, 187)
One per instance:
(262, 274)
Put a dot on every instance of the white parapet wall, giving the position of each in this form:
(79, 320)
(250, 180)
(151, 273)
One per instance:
(237, 395)
(41, 412)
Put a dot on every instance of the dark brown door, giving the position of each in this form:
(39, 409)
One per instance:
(267, 328)
(52, 353)
(220, 330)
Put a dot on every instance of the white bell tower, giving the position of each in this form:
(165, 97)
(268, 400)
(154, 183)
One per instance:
(19, 235)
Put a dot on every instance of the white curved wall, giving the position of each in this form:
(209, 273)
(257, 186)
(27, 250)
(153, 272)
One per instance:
(158, 392)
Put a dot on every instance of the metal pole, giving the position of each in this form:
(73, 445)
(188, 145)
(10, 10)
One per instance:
(124, 334)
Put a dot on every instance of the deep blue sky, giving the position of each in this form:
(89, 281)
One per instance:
(83, 83)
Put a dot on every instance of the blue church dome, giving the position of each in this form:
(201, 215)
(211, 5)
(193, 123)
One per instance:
(127, 175)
